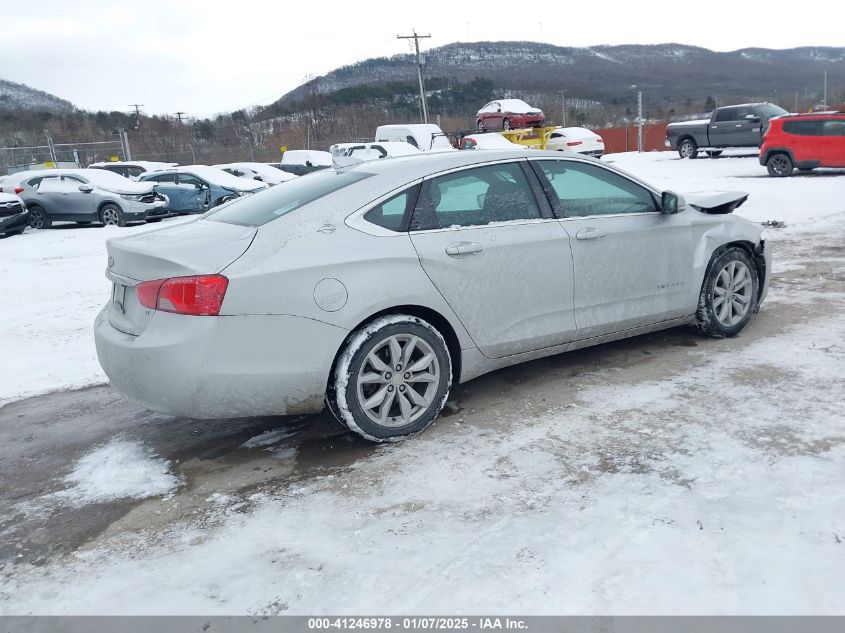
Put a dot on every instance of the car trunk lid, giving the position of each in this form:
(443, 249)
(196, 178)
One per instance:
(194, 248)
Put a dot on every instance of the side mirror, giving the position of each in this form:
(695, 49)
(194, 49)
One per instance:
(86, 188)
(499, 110)
(671, 203)
(753, 118)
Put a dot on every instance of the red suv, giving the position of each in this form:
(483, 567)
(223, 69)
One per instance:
(805, 141)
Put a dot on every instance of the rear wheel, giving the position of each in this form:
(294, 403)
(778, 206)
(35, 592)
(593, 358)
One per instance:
(688, 148)
(780, 165)
(38, 218)
(392, 378)
(479, 125)
(728, 295)
(112, 215)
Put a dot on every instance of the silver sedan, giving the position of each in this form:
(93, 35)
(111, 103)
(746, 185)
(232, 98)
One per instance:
(375, 289)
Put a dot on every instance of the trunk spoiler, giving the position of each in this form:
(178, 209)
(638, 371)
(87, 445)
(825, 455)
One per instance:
(718, 202)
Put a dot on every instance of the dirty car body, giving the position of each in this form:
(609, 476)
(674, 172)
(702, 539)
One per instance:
(494, 257)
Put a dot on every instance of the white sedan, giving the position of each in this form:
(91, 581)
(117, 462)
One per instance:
(377, 288)
(576, 140)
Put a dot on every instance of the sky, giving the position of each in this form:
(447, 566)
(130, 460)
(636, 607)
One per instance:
(204, 57)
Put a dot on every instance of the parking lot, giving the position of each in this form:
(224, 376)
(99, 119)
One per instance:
(666, 473)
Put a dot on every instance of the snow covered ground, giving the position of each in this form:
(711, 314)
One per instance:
(644, 477)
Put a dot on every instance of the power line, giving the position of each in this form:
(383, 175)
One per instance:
(417, 39)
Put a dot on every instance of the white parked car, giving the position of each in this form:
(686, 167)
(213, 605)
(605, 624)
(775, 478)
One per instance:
(257, 171)
(425, 136)
(303, 161)
(131, 169)
(576, 140)
(345, 154)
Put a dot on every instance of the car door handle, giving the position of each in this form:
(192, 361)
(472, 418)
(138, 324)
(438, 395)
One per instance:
(739, 124)
(589, 233)
(459, 249)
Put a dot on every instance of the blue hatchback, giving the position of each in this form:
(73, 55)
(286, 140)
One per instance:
(198, 188)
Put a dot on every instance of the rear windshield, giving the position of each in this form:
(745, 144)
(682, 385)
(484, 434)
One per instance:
(277, 201)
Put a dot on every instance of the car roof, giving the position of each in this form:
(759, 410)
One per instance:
(425, 163)
(805, 115)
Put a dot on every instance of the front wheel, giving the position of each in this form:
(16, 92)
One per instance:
(728, 295)
(506, 124)
(688, 149)
(780, 165)
(479, 125)
(392, 378)
(112, 215)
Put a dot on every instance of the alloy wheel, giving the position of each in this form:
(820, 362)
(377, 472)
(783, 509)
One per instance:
(781, 165)
(36, 220)
(110, 216)
(398, 380)
(732, 293)
(686, 149)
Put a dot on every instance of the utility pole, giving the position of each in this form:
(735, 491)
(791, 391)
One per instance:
(417, 39)
(640, 121)
(179, 116)
(563, 105)
(824, 101)
(137, 107)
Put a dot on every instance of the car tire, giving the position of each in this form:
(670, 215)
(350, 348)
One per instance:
(479, 125)
(38, 218)
(714, 153)
(780, 165)
(728, 295)
(112, 215)
(371, 397)
(688, 148)
(506, 124)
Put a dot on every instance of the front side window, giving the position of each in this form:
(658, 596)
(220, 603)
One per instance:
(190, 179)
(162, 178)
(584, 190)
(475, 197)
(834, 128)
(272, 203)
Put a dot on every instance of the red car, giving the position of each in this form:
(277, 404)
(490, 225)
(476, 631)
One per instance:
(508, 114)
(805, 141)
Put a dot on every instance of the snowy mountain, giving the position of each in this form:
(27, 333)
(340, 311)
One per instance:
(668, 72)
(14, 96)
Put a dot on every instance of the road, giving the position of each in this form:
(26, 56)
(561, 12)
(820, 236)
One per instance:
(41, 438)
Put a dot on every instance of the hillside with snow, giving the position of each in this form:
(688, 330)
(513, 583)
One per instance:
(14, 96)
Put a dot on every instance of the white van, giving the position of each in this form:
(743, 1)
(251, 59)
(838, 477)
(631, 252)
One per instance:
(425, 136)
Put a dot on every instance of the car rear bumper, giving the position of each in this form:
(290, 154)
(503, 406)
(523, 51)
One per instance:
(221, 367)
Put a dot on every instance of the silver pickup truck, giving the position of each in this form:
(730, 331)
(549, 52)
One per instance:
(730, 126)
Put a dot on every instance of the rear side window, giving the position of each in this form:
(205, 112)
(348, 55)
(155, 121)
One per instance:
(475, 197)
(834, 128)
(585, 190)
(726, 114)
(802, 128)
(390, 213)
(275, 202)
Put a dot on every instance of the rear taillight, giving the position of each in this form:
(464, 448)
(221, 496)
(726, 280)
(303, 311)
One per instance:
(198, 295)
(573, 143)
(18, 189)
